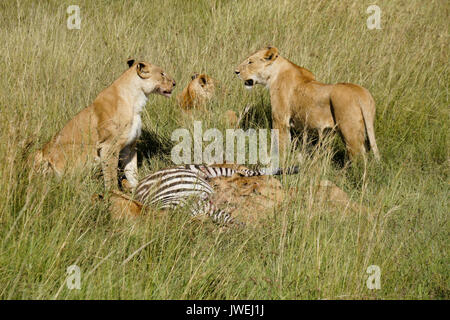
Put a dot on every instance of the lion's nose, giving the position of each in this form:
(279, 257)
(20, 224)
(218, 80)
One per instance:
(237, 72)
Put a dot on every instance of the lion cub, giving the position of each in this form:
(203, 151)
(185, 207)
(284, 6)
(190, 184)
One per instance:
(109, 127)
(197, 93)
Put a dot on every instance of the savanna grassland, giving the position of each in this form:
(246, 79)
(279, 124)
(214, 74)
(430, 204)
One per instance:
(303, 251)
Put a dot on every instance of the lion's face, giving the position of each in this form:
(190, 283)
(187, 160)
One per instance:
(256, 69)
(153, 79)
(203, 86)
(164, 83)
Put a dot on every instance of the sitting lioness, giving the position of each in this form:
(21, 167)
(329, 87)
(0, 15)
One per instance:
(109, 127)
(299, 100)
(199, 91)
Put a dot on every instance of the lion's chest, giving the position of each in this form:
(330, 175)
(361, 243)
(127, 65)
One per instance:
(136, 123)
(135, 129)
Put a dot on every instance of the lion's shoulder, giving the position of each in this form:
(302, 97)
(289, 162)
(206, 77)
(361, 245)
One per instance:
(304, 73)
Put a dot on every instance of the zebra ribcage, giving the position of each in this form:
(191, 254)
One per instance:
(178, 187)
(167, 186)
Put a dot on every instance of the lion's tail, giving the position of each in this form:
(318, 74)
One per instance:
(368, 112)
(37, 162)
(30, 157)
(35, 159)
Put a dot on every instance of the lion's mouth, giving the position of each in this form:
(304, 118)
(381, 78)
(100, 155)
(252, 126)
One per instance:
(249, 83)
(166, 93)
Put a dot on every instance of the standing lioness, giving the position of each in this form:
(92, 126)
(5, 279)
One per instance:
(299, 100)
(109, 126)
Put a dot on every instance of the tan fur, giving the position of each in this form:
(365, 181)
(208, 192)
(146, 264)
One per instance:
(197, 93)
(122, 206)
(109, 127)
(231, 117)
(299, 100)
(331, 195)
(248, 199)
(328, 191)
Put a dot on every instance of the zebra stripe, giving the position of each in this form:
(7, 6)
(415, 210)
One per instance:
(172, 184)
(214, 172)
(164, 179)
(173, 187)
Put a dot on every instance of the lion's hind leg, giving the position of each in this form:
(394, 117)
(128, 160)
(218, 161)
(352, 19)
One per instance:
(349, 118)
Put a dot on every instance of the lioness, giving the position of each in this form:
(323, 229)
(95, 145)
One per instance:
(298, 100)
(199, 91)
(109, 127)
(231, 118)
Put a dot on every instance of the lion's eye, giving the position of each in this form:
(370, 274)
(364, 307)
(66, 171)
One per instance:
(163, 74)
(250, 62)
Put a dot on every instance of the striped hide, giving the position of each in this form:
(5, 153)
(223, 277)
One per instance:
(188, 186)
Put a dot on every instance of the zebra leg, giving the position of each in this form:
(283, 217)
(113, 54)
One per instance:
(219, 216)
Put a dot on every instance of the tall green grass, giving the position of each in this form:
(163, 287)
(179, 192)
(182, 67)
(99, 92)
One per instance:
(305, 250)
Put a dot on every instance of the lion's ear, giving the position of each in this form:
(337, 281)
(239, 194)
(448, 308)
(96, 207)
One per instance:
(143, 70)
(195, 75)
(203, 79)
(271, 54)
(130, 62)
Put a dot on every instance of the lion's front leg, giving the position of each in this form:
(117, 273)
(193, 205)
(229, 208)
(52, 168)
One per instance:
(128, 156)
(281, 117)
(284, 139)
(109, 157)
(284, 135)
